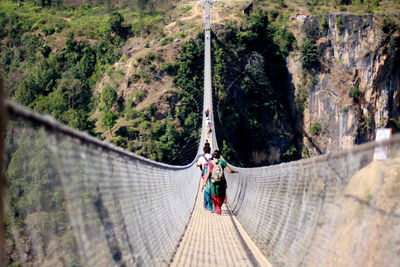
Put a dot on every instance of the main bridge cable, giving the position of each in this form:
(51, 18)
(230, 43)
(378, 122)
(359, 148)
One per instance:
(186, 152)
(208, 101)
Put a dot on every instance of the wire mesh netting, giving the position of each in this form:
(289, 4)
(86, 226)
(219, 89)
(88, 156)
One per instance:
(74, 201)
(340, 209)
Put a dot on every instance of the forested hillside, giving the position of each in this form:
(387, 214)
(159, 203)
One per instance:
(130, 72)
(286, 85)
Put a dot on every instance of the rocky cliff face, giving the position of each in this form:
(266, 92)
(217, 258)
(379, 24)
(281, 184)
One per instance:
(355, 88)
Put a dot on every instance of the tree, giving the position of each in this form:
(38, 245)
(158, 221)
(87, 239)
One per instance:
(39, 80)
(108, 120)
(115, 22)
(75, 92)
(309, 55)
(77, 119)
(53, 104)
(108, 97)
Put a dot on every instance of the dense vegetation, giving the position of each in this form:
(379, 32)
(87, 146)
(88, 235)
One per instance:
(52, 56)
(56, 80)
(250, 97)
(163, 134)
(249, 78)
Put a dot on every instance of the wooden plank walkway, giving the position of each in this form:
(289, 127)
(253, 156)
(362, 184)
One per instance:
(216, 240)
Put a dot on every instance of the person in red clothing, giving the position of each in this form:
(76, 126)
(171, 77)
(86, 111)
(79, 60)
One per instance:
(218, 183)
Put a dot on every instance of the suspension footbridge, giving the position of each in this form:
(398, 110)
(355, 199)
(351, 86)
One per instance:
(92, 204)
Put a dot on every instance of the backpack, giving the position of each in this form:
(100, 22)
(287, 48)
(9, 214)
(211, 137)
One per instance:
(205, 164)
(217, 172)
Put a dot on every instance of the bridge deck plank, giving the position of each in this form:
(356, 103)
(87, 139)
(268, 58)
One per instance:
(215, 240)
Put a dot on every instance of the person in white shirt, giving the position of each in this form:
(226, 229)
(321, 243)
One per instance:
(202, 163)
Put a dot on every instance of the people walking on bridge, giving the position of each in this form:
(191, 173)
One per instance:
(209, 126)
(215, 173)
(203, 163)
(207, 112)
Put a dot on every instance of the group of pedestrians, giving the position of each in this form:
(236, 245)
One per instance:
(213, 178)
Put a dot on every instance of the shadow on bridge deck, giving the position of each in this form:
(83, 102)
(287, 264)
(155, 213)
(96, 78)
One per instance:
(216, 240)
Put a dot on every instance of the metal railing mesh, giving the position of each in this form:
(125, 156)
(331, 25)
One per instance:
(72, 200)
(339, 209)
(75, 201)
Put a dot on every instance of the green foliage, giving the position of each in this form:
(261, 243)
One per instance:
(355, 93)
(108, 119)
(305, 153)
(248, 70)
(39, 80)
(139, 96)
(316, 128)
(323, 24)
(162, 139)
(388, 25)
(309, 55)
(189, 79)
(130, 112)
(58, 81)
(290, 154)
(169, 67)
(108, 97)
(147, 23)
(53, 104)
(395, 124)
(115, 22)
(301, 97)
(167, 40)
(78, 119)
(284, 39)
(339, 24)
(151, 56)
(366, 123)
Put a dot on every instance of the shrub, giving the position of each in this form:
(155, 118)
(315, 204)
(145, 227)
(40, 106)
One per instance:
(388, 25)
(274, 13)
(108, 120)
(130, 112)
(48, 30)
(316, 128)
(323, 24)
(309, 55)
(366, 123)
(290, 154)
(139, 96)
(394, 124)
(167, 40)
(169, 68)
(151, 56)
(119, 141)
(115, 23)
(108, 97)
(355, 93)
(339, 24)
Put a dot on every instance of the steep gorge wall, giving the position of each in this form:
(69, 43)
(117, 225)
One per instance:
(353, 52)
